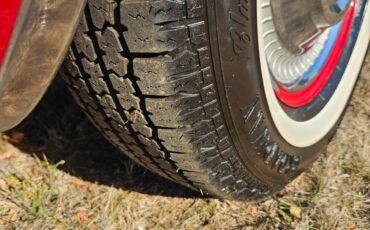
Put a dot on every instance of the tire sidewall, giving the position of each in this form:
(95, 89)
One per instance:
(233, 34)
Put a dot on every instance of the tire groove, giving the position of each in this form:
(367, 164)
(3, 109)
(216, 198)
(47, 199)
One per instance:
(120, 110)
(138, 92)
(111, 88)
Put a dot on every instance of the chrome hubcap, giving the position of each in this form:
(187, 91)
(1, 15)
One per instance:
(297, 22)
(326, 13)
(295, 55)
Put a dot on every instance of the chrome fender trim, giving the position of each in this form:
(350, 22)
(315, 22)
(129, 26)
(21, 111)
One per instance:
(41, 37)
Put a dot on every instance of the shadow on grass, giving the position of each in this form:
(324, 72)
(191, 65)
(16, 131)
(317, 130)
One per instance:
(58, 130)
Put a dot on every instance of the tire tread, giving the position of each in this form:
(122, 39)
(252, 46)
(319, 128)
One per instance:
(141, 70)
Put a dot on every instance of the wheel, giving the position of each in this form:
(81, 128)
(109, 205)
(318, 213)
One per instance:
(205, 94)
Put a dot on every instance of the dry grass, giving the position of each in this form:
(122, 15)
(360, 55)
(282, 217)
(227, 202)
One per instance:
(57, 172)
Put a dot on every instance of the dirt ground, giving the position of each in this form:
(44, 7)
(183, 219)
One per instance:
(57, 172)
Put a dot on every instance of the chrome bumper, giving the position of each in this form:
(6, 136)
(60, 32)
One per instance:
(43, 32)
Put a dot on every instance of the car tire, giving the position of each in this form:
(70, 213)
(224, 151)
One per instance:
(181, 87)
